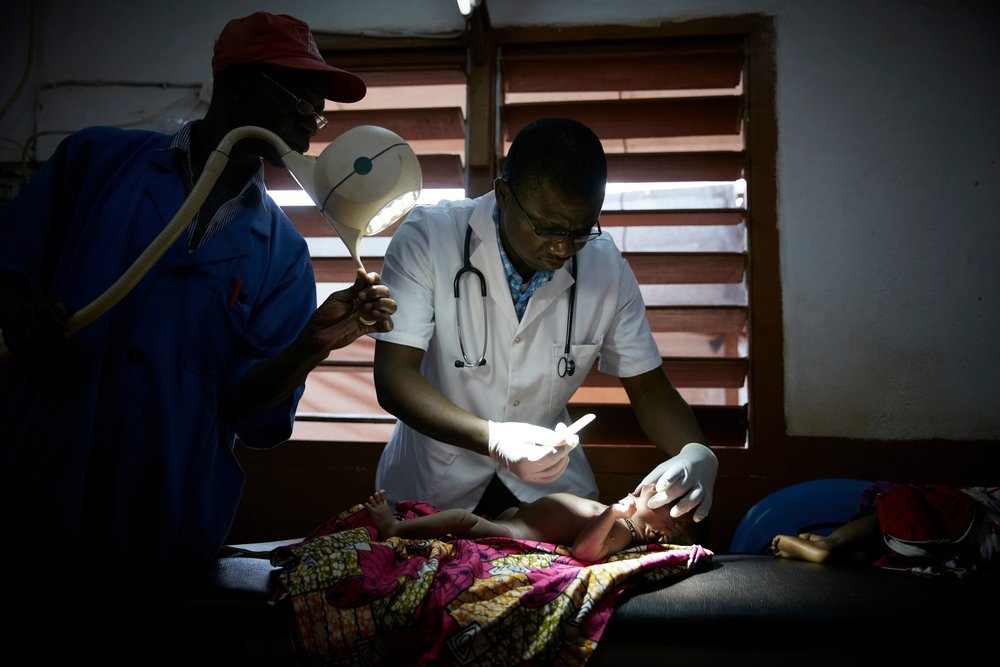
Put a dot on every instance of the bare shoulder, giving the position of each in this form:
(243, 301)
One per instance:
(557, 517)
(571, 504)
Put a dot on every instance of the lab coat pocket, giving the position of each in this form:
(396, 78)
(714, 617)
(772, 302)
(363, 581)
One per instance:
(219, 330)
(563, 383)
(442, 472)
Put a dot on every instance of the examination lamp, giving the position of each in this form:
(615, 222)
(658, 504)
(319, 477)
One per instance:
(364, 181)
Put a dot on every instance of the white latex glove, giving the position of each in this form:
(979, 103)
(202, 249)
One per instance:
(689, 476)
(533, 453)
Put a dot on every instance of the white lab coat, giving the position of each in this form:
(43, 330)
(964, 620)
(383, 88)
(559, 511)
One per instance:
(519, 381)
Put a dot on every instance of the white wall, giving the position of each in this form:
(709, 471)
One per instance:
(888, 174)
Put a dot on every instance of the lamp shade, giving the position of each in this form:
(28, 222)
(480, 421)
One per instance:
(364, 181)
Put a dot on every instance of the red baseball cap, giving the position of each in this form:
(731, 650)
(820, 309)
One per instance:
(283, 40)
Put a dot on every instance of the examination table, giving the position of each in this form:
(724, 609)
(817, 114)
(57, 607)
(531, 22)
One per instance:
(740, 608)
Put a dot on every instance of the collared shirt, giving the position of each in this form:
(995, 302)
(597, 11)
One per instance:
(519, 291)
(229, 210)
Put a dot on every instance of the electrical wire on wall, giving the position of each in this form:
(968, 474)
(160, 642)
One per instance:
(29, 61)
(166, 119)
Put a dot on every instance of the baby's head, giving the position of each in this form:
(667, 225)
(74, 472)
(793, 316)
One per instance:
(656, 525)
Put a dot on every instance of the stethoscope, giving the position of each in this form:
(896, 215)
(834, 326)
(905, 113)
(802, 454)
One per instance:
(565, 366)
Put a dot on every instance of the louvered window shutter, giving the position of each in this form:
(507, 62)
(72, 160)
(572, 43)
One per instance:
(421, 96)
(670, 116)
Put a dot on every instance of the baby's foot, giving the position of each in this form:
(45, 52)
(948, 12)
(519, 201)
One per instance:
(381, 514)
(812, 550)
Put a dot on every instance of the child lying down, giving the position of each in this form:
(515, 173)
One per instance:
(925, 528)
(592, 530)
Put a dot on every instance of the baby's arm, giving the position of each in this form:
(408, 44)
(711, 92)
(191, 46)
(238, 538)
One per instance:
(603, 535)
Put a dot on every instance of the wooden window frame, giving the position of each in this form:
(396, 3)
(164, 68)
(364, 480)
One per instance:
(745, 471)
(483, 155)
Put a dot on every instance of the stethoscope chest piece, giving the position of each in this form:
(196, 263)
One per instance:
(565, 366)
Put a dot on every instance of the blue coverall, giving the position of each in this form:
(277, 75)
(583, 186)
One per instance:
(120, 448)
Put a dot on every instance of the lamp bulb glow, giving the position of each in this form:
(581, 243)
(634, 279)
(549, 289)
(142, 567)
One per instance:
(389, 214)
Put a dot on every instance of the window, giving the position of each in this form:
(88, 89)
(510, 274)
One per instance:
(670, 116)
(420, 95)
(673, 112)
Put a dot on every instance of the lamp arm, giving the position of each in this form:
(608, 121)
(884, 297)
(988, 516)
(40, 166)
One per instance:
(216, 162)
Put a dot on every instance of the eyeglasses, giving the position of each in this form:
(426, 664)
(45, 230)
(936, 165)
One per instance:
(556, 236)
(303, 107)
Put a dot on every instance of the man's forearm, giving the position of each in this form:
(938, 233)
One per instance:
(411, 398)
(665, 418)
(273, 380)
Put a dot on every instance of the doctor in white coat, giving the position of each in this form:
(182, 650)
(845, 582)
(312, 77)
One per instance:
(480, 382)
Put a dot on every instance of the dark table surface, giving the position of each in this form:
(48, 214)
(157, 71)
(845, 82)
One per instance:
(778, 610)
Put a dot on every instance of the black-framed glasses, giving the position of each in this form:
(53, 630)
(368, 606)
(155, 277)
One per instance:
(556, 236)
(303, 107)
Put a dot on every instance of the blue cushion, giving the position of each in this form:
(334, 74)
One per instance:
(817, 506)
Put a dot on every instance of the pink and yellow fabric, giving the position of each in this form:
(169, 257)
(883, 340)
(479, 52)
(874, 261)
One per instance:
(495, 601)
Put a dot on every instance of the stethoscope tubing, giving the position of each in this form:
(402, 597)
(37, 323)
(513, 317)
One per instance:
(565, 366)
(468, 268)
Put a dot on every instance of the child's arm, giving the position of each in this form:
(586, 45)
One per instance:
(603, 535)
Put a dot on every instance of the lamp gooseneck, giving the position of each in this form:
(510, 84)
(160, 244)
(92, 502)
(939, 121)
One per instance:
(342, 206)
(216, 162)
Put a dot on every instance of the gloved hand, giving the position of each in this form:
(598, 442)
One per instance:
(533, 453)
(689, 476)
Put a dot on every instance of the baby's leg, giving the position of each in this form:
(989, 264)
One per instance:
(458, 522)
(857, 541)
(809, 547)
(381, 514)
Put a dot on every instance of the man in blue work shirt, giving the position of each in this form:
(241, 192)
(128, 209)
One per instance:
(116, 441)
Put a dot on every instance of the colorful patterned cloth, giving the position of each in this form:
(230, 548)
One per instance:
(492, 601)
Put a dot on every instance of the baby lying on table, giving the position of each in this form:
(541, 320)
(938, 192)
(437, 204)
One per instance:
(591, 529)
